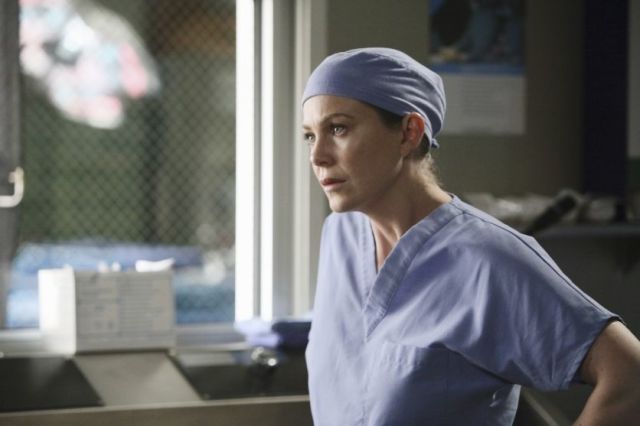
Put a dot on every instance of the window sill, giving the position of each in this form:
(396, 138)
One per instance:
(29, 342)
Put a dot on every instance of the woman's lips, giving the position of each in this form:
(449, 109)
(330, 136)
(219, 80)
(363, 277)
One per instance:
(331, 183)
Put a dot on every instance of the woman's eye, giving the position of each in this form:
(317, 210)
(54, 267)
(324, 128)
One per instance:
(309, 138)
(337, 129)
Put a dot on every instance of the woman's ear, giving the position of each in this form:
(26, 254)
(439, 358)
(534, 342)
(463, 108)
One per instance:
(412, 132)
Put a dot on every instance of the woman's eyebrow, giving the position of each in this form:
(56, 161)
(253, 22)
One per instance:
(331, 117)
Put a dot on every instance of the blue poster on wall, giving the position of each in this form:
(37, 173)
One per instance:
(477, 46)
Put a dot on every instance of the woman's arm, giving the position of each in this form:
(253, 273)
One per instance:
(612, 366)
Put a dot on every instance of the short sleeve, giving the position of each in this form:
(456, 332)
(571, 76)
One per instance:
(521, 318)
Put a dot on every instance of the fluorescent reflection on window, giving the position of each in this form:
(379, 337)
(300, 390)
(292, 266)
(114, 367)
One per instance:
(245, 163)
(88, 60)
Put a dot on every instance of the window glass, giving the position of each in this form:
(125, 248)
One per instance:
(128, 142)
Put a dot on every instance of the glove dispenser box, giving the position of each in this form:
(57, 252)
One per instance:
(87, 311)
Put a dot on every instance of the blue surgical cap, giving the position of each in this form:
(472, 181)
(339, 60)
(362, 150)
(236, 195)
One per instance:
(383, 77)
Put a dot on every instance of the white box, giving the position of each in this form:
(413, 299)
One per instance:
(84, 311)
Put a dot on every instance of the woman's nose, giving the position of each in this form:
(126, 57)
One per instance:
(320, 154)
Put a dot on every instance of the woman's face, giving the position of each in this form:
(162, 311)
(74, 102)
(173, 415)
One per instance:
(354, 155)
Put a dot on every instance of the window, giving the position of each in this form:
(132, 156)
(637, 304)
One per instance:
(128, 141)
(129, 149)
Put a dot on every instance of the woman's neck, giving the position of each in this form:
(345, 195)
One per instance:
(392, 221)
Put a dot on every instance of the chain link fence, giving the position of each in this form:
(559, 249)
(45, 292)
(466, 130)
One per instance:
(141, 163)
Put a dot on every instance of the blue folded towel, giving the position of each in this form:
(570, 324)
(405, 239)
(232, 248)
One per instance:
(284, 333)
(293, 333)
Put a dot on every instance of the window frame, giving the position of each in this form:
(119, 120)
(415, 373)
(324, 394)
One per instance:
(290, 207)
(9, 134)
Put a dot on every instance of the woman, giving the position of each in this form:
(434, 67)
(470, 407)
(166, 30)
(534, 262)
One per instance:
(427, 310)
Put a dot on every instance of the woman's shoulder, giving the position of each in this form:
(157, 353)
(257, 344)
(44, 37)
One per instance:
(476, 230)
(476, 244)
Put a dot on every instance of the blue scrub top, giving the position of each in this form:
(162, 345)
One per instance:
(463, 311)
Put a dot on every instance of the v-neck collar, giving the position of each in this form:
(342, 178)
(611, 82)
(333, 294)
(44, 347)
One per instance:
(384, 283)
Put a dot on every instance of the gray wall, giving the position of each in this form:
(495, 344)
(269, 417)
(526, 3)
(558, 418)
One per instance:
(547, 157)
